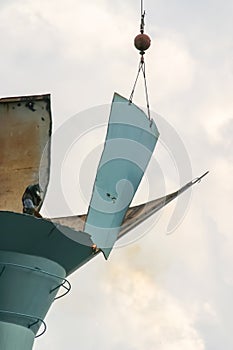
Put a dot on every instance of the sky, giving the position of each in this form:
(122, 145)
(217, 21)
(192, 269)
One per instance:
(162, 291)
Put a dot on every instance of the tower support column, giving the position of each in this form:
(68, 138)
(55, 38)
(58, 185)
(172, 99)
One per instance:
(28, 286)
(14, 337)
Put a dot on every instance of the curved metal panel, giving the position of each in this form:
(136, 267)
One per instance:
(26, 234)
(130, 141)
(14, 336)
(25, 130)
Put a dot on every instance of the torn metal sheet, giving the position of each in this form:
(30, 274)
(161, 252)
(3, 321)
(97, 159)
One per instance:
(25, 130)
(77, 223)
(134, 215)
(138, 214)
(69, 247)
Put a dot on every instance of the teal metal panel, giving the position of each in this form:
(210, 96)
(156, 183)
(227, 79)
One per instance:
(130, 141)
(28, 286)
(29, 235)
(14, 337)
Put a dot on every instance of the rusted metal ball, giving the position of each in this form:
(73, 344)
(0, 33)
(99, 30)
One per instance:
(142, 42)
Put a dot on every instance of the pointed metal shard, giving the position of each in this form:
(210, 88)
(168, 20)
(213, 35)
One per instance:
(129, 144)
(198, 179)
(138, 214)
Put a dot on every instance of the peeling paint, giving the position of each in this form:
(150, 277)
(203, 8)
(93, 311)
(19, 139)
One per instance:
(25, 130)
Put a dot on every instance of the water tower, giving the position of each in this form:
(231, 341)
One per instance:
(37, 254)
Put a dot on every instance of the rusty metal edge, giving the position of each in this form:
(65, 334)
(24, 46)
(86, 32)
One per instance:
(41, 97)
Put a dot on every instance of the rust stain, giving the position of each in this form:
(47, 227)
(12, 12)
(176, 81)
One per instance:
(23, 138)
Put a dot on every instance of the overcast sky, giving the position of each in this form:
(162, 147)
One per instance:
(163, 292)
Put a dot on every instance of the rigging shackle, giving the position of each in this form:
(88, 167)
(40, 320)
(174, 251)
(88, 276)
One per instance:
(142, 43)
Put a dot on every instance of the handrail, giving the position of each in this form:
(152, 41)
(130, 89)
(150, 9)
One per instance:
(37, 269)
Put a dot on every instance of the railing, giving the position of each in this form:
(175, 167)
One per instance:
(65, 283)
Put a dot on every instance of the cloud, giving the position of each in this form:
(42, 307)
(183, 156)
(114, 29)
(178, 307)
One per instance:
(172, 67)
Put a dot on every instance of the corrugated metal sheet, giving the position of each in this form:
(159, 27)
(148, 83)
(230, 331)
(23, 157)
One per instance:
(25, 130)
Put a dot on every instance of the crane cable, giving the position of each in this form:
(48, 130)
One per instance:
(142, 67)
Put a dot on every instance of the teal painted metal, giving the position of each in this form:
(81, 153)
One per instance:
(14, 337)
(35, 258)
(28, 286)
(39, 237)
(130, 141)
(135, 215)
